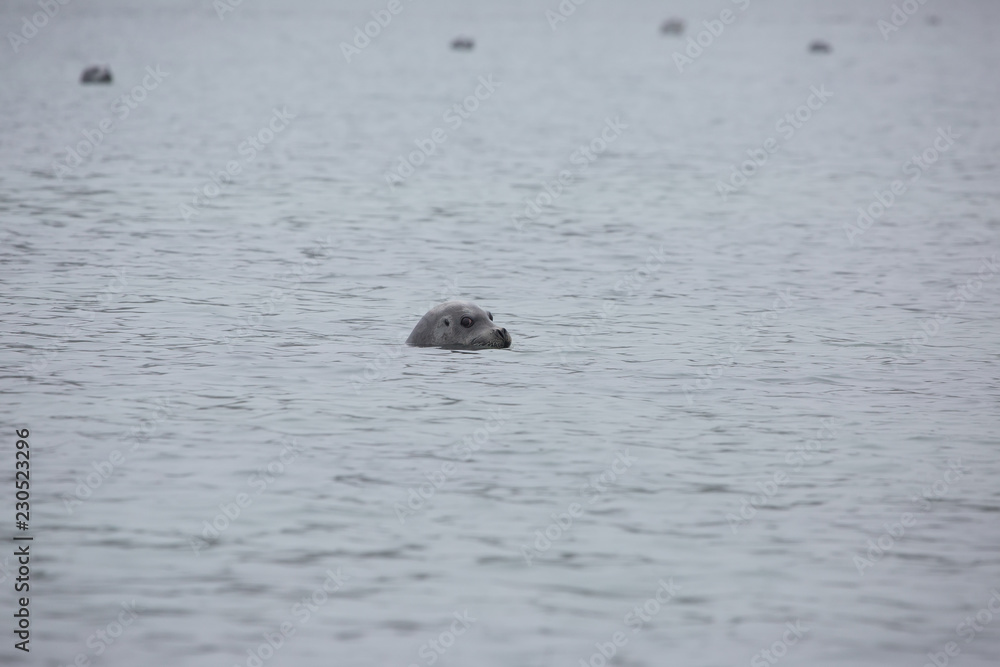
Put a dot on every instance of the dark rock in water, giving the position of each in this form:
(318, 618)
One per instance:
(672, 27)
(96, 74)
(820, 47)
(463, 44)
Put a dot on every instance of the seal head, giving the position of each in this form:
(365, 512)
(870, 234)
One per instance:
(458, 325)
(96, 74)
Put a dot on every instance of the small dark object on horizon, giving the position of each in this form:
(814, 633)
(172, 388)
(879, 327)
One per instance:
(463, 44)
(672, 27)
(820, 47)
(96, 74)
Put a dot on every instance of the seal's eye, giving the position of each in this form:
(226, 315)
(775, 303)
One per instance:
(447, 322)
(466, 322)
(491, 316)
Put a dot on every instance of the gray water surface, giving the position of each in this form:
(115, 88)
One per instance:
(782, 423)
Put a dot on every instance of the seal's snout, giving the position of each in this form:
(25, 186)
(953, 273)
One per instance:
(503, 336)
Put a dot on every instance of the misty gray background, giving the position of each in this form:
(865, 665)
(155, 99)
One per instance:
(197, 347)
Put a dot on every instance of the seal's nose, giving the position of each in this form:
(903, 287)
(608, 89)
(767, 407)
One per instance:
(504, 336)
